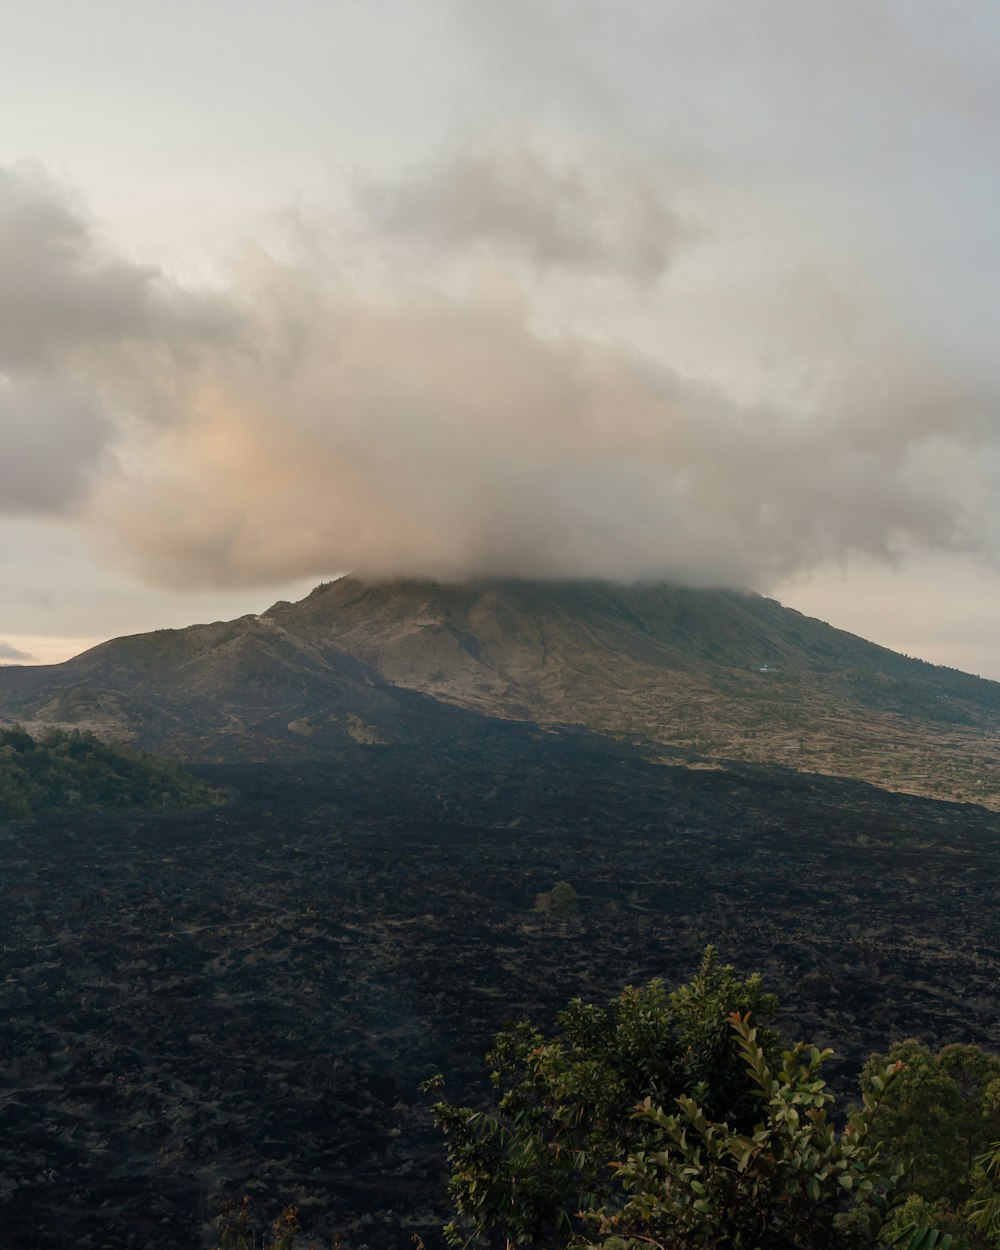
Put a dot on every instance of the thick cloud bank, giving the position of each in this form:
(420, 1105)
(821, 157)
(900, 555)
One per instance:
(417, 398)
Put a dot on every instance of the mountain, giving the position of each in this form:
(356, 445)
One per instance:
(716, 674)
(249, 689)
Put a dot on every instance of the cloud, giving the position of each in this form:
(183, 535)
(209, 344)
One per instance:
(60, 289)
(445, 436)
(8, 652)
(88, 342)
(54, 441)
(366, 406)
(602, 218)
(65, 292)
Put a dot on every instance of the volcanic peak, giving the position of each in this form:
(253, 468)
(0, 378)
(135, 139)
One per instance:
(715, 673)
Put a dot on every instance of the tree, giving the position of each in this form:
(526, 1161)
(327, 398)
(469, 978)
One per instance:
(562, 901)
(72, 771)
(671, 1121)
(983, 1213)
(525, 1168)
(939, 1121)
(793, 1182)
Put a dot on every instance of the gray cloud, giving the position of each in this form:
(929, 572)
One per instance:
(55, 439)
(599, 218)
(447, 437)
(34, 596)
(7, 652)
(317, 418)
(59, 288)
(87, 341)
(64, 292)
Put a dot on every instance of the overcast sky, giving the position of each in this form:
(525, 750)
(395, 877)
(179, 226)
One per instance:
(549, 287)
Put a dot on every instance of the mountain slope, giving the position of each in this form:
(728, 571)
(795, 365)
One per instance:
(239, 690)
(721, 673)
(715, 673)
(545, 641)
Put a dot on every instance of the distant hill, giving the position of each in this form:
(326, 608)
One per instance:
(75, 772)
(714, 673)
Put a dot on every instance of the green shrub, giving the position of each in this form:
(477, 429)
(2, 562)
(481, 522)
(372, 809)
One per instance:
(524, 1169)
(562, 901)
(792, 1181)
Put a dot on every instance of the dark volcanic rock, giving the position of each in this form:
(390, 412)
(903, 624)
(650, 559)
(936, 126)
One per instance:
(249, 998)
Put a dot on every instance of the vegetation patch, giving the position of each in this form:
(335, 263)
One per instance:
(74, 771)
(561, 901)
(671, 1121)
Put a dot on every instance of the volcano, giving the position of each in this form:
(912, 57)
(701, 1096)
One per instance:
(712, 674)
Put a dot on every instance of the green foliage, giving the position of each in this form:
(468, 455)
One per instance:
(924, 1122)
(916, 1221)
(926, 1239)
(670, 1121)
(983, 1213)
(562, 901)
(75, 772)
(939, 1120)
(523, 1170)
(792, 1180)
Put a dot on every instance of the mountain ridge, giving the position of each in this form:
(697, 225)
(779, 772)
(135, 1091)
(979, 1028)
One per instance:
(716, 673)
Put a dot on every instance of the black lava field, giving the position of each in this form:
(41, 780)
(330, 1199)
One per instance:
(246, 999)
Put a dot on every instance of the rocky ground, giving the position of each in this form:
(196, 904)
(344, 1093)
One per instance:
(248, 999)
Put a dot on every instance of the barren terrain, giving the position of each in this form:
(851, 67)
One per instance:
(248, 998)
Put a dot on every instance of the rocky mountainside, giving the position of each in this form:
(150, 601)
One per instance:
(716, 674)
(248, 689)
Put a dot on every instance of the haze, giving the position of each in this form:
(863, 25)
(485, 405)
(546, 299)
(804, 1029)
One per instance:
(552, 289)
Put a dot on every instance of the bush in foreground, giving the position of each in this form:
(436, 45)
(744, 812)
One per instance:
(676, 1121)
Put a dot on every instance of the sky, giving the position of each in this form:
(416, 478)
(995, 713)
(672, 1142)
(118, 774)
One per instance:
(449, 288)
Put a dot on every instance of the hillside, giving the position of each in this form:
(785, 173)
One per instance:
(248, 689)
(717, 674)
(76, 772)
